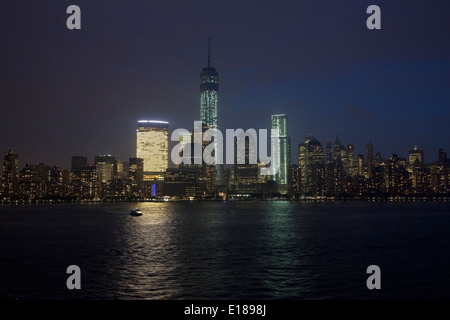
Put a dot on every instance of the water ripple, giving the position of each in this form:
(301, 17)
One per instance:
(215, 250)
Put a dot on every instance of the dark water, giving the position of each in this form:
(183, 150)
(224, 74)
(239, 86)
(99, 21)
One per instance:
(227, 250)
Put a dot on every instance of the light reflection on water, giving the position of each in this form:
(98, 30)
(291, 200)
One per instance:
(226, 250)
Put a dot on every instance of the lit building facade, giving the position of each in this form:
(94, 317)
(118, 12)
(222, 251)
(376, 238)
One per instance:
(84, 184)
(153, 146)
(396, 176)
(209, 116)
(329, 152)
(351, 165)
(105, 167)
(135, 176)
(294, 180)
(209, 89)
(312, 167)
(360, 165)
(337, 149)
(282, 152)
(10, 175)
(369, 159)
(184, 182)
(416, 155)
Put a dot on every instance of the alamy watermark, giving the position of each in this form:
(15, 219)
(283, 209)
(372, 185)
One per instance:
(374, 281)
(74, 280)
(238, 150)
(74, 20)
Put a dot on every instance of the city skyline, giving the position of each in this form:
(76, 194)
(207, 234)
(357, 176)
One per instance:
(218, 153)
(318, 175)
(412, 153)
(81, 93)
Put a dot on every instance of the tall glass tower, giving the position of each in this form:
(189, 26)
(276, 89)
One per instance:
(279, 121)
(209, 88)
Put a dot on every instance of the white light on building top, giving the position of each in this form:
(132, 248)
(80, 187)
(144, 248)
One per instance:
(152, 121)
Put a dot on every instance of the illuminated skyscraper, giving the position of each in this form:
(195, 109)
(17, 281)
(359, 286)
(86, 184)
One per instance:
(105, 167)
(294, 180)
(279, 121)
(378, 160)
(351, 167)
(105, 158)
(209, 88)
(302, 163)
(416, 154)
(136, 170)
(337, 149)
(10, 174)
(329, 152)
(369, 152)
(135, 176)
(312, 167)
(369, 159)
(209, 115)
(360, 164)
(153, 146)
(344, 158)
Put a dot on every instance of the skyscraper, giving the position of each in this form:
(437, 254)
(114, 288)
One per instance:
(294, 180)
(369, 159)
(10, 174)
(136, 170)
(302, 163)
(209, 88)
(360, 164)
(369, 151)
(135, 176)
(416, 154)
(279, 121)
(108, 158)
(153, 147)
(209, 115)
(312, 167)
(245, 167)
(442, 155)
(329, 152)
(351, 160)
(105, 167)
(337, 149)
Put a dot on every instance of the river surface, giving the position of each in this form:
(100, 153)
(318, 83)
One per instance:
(256, 250)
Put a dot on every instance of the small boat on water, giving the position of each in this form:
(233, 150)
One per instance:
(136, 212)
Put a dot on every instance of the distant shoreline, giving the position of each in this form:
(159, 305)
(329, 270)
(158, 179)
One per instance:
(249, 199)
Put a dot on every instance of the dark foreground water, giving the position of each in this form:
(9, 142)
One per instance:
(227, 250)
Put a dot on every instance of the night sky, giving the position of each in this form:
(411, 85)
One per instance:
(80, 92)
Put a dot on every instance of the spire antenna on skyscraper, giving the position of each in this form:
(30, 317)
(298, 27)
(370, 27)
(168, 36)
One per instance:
(209, 52)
